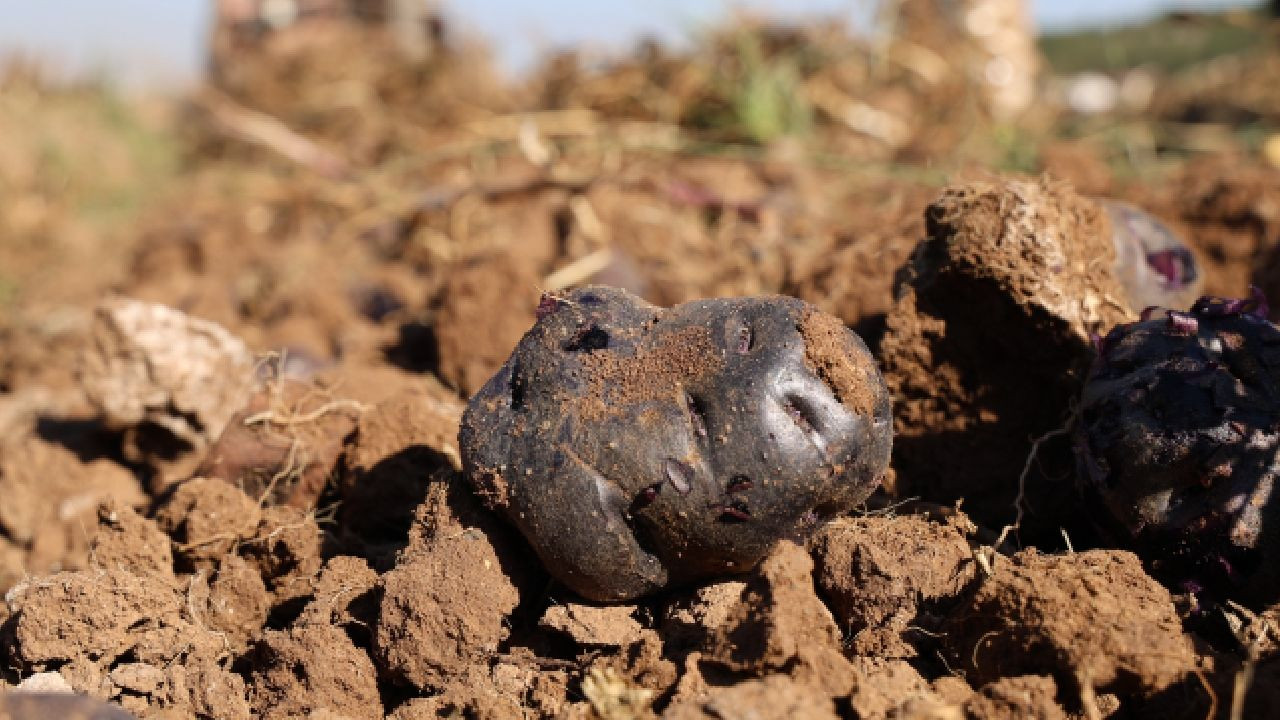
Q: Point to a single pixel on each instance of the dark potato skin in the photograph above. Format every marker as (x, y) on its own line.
(1178, 436)
(637, 447)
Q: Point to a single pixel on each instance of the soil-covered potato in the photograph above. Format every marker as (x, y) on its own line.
(1178, 445)
(637, 447)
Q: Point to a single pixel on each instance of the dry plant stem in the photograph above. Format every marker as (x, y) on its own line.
(275, 418)
(1240, 689)
(579, 271)
(1213, 696)
(985, 555)
(1244, 677)
(258, 128)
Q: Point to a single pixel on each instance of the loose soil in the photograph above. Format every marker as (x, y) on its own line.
(230, 478)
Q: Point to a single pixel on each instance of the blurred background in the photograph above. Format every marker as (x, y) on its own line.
(381, 189)
(163, 42)
(348, 177)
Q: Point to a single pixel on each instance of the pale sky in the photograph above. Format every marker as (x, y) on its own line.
(151, 42)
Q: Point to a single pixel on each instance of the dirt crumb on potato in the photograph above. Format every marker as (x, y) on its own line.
(620, 382)
(829, 351)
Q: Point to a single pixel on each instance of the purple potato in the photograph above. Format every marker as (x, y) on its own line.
(1177, 437)
(637, 447)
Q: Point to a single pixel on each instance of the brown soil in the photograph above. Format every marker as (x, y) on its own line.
(482, 311)
(998, 306)
(889, 580)
(228, 423)
(1093, 620)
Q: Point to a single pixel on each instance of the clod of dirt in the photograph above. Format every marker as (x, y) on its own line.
(892, 688)
(49, 497)
(884, 576)
(1178, 444)
(344, 595)
(637, 447)
(608, 626)
(998, 305)
(127, 541)
(445, 605)
(285, 549)
(40, 706)
(1015, 698)
(508, 690)
(690, 619)
(399, 447)
(483, 308)
(133, 639)
(153, 364)
(1152, 262)
(779, 623)
(89, 614)
(283, 445)
(310, 668)
(774, 697)
(206, 518)
(1091, 620)
(233, 602)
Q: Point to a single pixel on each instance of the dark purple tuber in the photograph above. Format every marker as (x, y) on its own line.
(1153, 263)
(637, 447)
(1178, 436)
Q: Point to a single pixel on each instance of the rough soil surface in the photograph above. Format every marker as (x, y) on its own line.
(887, 578)
(50, 496)
(446, 604)
(398, 448)
(1092, 620)
(998, 306)
(169, 550)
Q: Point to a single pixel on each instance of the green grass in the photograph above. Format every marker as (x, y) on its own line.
(1171, 43)
(757, 98)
